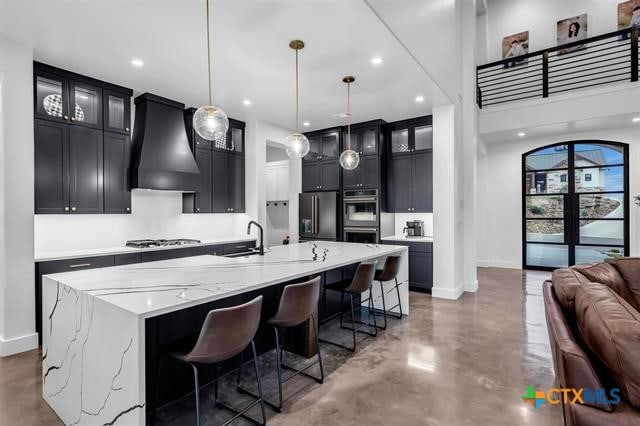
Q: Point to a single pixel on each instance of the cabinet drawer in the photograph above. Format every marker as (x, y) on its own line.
(216, 250)
(152, 256)
(127, 259)
(239, 247)
(414, 246)
(69, 265)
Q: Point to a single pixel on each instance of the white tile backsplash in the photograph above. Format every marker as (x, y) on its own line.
(155, 214)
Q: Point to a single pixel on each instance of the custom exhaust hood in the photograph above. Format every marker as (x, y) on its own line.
(161, 157)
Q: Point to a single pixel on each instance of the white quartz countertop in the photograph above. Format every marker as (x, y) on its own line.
(75, 254)
(424, 239)
(154, 288)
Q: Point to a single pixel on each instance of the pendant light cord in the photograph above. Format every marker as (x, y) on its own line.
(208, 52)
(297, 117)
(349, 116)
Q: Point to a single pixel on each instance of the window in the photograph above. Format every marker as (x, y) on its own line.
(575, 204)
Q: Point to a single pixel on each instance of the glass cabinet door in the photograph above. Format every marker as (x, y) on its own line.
(314, 149)
(369, 142)
(237, 139)
(330, 146)
(400, 141)
(117, 112)
(51, 97)
(423, 138)
(85, 104)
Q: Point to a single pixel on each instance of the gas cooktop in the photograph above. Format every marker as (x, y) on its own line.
(160, 243)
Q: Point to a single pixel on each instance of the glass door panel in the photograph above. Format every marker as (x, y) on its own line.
(115, 105)
(331, 146)
(237, 138)
(314, 149)
(423, 138)
(51, 97)
(86, 105)
(586, 221)
(400, 141)
(369, 142)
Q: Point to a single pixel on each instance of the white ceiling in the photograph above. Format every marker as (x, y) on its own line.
(251, 56)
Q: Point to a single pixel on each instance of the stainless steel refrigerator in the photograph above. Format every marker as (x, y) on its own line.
(318, 216)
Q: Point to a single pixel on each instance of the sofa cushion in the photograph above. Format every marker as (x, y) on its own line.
(607, 274)
(629, 269)
(565, 282)
(572, 365)
(611, 329)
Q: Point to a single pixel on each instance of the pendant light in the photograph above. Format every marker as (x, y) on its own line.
(297, 144)
(210, 121)
(349, 159)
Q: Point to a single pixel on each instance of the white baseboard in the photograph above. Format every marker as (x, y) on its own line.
(447, 293)
(19, 344)
(498, 264)
(471, 287)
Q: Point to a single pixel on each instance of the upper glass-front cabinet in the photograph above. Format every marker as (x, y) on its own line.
(412, 135)
(314, 149)
(330, 145)
(368, 142)
(237, 139)
(67, 100)
(51, 94)
(117, 112)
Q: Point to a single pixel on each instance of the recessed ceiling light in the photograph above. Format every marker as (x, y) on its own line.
(419, 98)
(376, 60)
(306, 124)
(247, 102)
(636, 119)
(137, 62)
(522, 134)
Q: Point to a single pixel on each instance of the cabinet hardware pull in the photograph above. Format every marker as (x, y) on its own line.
(66, 209)
(126, 129)
(73, 119)
(73, 209)
(128, 209)
(241, 246)
(79, 265)
(66, 117)
(198, 209)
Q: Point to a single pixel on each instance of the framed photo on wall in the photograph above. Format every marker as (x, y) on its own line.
(571, 30)
(514, 46)
(628, 14)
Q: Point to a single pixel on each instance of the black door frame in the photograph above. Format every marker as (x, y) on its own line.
(571, 212)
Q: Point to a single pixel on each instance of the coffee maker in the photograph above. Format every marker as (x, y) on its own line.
(415, 228)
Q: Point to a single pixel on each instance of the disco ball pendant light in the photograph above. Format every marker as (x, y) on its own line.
(210, 121)
(349, 159)
(297, 144)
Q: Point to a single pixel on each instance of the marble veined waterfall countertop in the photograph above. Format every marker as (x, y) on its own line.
(94, 335)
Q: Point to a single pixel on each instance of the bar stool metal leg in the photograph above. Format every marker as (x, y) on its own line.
(197, 393)
(316, 329)
(384, 307)
(278, 369)
(255, 363)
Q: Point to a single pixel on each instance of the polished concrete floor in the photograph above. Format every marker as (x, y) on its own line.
(464, 362)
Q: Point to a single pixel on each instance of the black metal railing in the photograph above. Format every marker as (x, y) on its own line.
(604, 59)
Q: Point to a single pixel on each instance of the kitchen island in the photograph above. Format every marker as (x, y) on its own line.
(102, 327)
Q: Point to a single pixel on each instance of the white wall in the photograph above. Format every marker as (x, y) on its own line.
(154, 214)
(17, 322)
(500, 197)
(539, 17)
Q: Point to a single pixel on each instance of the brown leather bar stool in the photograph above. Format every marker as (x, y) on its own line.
(389, 272)
(298, 304)
(361, 282)
(225, 333)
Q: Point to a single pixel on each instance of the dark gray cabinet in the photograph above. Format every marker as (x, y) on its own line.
(411, 183)
(117, 188)
(420, 263)
(222, 184)
(366, 175)
(68, 168)
(320, 167)
(85, 170)
(51, 167)
(80, 168)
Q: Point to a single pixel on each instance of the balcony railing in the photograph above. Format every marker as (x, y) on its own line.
(604, 59)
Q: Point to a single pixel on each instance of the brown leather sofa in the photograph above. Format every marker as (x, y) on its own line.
(594, 331)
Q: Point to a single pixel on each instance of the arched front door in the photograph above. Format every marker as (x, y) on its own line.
(575, 203)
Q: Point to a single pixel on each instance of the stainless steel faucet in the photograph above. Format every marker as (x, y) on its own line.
(261, 246)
